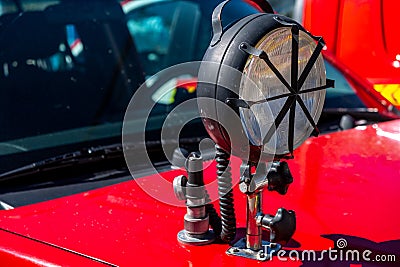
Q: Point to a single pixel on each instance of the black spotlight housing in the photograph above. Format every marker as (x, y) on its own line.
(230, 49)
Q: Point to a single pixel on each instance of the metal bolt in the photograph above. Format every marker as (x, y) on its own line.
(259, 219)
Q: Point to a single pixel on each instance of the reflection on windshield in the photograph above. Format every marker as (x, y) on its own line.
(283, 7)
(62, 72)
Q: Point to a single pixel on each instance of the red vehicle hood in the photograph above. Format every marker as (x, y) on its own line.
(346, 186)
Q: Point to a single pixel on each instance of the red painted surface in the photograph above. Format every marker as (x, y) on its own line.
(313, 15)
(363, 34)
(345, 183)
(19, 251)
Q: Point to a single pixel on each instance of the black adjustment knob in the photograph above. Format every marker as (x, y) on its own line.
(279, 178)
(282, 226)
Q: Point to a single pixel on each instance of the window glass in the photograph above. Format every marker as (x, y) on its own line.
(164, 32)
(7, 6)
(67, 58)
(151, 30)
(343, 95)
(12, 6)
(65, 72)
(30, 5)
(283, 7)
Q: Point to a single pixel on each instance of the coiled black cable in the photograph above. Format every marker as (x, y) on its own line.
(215, 220)
(227, 209)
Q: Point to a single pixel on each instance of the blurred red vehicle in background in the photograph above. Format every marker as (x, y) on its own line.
(364, 36)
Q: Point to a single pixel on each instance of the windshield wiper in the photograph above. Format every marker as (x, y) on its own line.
(83, 156)
(90, 156)
(370, 114)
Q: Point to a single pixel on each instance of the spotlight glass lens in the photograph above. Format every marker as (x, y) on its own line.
(257, 120)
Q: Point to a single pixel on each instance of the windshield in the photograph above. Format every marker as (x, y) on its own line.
(68, 69)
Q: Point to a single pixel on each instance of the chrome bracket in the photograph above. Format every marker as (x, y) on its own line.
(265, 253)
